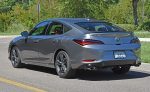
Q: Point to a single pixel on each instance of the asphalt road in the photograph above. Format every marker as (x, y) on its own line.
(40, 79)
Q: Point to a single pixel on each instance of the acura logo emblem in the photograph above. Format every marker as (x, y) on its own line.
(117, 39)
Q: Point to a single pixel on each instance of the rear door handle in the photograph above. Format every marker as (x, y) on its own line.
(36, 41)
(55, 41)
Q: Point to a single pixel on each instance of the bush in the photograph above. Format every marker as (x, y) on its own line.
(16, 28)
(128, 27)
(1, 26)
(145, 26)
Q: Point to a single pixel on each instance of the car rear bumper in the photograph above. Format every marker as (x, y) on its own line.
(105, 55)
(110, 63)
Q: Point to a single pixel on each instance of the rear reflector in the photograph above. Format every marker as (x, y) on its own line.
(84, 42)
(88, 61)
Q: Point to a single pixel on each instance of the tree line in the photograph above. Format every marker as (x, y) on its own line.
(16, 13)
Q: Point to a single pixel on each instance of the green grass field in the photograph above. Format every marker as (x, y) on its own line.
(1, 34)
(145, 52)
(142, 34)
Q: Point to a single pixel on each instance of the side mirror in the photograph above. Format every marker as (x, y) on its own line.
(25, 34)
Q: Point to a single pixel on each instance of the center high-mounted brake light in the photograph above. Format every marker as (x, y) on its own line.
(84, 42)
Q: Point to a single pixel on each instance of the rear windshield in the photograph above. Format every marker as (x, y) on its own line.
(99, 27)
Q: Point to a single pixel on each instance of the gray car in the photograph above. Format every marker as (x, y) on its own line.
(68, 44)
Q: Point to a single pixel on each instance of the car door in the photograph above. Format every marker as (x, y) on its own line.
(30, 48)
(50, 42)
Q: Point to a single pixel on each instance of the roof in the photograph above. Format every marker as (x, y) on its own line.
(75, 20)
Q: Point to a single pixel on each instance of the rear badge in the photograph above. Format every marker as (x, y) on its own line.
(117, 39)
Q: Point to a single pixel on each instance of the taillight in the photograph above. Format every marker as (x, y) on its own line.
(135, 40)
(84, 42)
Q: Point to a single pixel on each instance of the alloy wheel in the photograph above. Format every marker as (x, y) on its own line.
(61, 62)
(15, 58)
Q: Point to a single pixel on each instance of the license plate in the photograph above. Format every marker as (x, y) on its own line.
(119, 54)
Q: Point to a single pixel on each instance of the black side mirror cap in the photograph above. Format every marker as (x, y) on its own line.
(25, 34)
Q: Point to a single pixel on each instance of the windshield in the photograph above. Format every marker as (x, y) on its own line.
(99, 27)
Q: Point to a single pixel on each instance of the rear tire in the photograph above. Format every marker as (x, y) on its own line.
(63, 65)
(121, 69)
(15, 58)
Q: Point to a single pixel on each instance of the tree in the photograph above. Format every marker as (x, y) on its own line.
(83, 8)
(135, 14)
(120, 13)
(147, 9)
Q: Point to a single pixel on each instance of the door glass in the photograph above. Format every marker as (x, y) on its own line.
(56, 29)
(40, 29)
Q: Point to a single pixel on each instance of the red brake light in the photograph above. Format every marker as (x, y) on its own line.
(88, 61)
(135, 40)
(84, 42)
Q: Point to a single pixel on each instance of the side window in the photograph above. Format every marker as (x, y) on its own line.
(66, 29)
(39, 29)
(57, 29)
(101, 28)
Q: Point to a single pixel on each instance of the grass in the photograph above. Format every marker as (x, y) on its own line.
(142, 34)
(145, 52)
(7, 33)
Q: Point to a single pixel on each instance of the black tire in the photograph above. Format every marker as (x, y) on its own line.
(63, 65)
(121, 69)
(15, 58)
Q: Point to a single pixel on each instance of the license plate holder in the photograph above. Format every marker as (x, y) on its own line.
(119, 55)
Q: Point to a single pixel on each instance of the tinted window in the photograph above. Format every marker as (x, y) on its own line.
(99, 27)
(57, 29)
(40, 29)
(66, 29)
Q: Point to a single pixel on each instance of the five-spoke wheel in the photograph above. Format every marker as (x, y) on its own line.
(15, 57)
(63, 66)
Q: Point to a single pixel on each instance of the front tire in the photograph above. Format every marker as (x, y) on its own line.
(63, 65)
(121, 69)
(15, 58)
